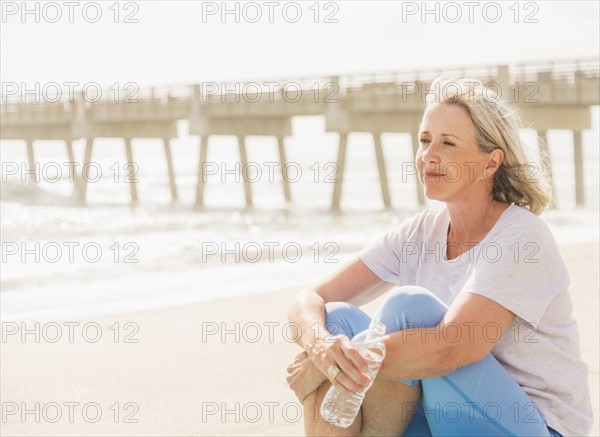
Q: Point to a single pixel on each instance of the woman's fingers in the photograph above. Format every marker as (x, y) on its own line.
(355, 380)
(300, 357)
(303, 377)
(354, 355)
(297, 360)
(339, 351)
(351, 376)
(346, 385)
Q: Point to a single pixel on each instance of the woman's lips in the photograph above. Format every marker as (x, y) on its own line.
(430, 175)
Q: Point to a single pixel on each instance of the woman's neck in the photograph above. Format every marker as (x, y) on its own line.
(472, 221)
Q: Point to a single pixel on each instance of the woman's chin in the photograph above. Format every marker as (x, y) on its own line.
(433, 195)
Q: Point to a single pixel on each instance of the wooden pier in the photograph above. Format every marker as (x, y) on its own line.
(550, 95)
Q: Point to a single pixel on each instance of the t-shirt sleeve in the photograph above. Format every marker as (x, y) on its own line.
(382, 256)
(521, 270)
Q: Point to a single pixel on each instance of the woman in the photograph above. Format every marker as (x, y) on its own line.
(479, 334)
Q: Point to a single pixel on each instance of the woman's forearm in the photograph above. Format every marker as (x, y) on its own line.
(307, 312)
(418, 354)
(324, 350)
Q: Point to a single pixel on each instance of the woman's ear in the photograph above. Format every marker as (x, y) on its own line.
(494, 162)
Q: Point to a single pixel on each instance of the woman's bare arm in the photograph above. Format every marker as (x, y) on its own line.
(355, 283)
(468, 332)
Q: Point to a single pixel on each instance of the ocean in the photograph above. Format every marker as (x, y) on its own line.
(63, 260)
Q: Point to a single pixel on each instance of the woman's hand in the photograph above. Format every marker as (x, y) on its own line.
(338, 351)
(303, 377)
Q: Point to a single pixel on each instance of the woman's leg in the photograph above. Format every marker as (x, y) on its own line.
(412, 307)
(379, 414)
(480, 399)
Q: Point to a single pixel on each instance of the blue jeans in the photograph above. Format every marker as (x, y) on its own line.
(480, 399)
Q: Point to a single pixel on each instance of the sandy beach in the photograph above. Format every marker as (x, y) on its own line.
(209, 369)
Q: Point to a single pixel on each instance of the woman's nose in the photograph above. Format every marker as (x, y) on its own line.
(430, 154)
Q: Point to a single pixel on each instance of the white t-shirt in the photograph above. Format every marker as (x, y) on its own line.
(518, 265)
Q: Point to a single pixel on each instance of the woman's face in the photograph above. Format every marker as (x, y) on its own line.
(451, 167)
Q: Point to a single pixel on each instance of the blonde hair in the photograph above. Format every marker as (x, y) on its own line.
(497, 127)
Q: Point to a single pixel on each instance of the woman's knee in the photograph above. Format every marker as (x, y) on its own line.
(410, 307)
(342, 318)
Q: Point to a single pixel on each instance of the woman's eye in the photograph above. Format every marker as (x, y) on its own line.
(423, 140)
(448, 143)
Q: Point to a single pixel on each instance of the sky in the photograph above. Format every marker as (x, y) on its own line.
(183, 42)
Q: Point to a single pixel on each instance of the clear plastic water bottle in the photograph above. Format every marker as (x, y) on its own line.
(340, 409)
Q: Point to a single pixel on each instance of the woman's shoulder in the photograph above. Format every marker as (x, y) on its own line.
(518, 225)
(520, 220)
